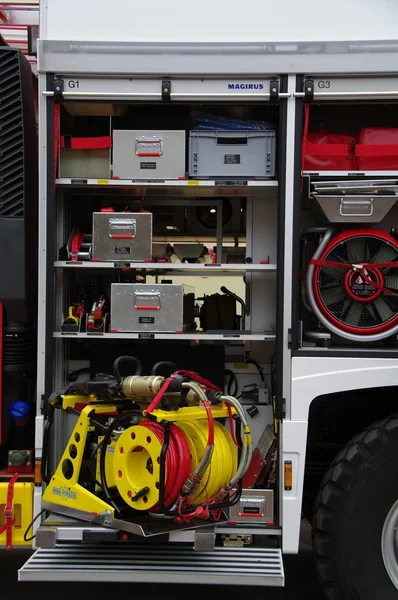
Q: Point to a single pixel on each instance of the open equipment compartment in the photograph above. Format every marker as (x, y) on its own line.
(217, 237)
(347, 219)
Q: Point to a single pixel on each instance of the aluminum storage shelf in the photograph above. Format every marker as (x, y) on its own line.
(194, 268)
(178, 337)
(372, 174)
(183, 188)
(156, 563)
(58, 529)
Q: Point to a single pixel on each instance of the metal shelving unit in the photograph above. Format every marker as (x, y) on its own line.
(353, 173)
(69, 203)
(195, 336)
(188, 268)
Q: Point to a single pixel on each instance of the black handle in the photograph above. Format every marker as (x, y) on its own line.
(229, 293)
(131, 359)
(232, 141)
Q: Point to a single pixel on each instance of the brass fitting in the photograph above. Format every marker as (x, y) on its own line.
(137, 387)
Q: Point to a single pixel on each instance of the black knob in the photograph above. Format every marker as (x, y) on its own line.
(252, 411)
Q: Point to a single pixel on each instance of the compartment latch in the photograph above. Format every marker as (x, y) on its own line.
(58, 88)
(166, 90)
(308, 90)
(274, 90)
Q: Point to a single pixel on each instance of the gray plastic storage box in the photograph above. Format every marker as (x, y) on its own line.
(158, 308)
(232, 154)
(145, 154)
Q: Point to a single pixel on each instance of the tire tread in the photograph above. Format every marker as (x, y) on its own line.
(336, 482)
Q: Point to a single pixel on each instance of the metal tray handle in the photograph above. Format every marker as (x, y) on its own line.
(345, 205)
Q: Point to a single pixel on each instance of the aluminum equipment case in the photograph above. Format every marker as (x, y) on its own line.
(157, 308)
(145, 154)
(232, 154)
(122, 236)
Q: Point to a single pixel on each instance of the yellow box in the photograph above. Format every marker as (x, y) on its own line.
(22, 511)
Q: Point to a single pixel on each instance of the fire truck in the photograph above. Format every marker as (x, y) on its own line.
(218, 294)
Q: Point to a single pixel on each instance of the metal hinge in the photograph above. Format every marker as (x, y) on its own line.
(289, 338)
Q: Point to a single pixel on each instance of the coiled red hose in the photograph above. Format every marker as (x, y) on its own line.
(178, 461)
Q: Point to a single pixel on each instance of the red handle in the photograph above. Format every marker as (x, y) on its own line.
(122, 237)
(147, 307)
(148, 154)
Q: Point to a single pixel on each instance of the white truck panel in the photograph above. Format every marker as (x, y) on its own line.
(258, 21)
(315, 376)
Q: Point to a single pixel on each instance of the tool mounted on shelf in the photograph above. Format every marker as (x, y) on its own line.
(79, 246)
(88, 315)
(149, 452)
(96, 318)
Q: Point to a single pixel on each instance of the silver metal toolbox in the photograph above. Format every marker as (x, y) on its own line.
(122, 236)
(254, 506)
(355, 201)
(145, 154)
(232, 154)
(157, 308)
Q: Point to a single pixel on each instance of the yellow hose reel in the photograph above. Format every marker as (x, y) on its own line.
(136, 462)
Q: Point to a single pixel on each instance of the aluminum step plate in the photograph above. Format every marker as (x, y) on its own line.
(168, 563)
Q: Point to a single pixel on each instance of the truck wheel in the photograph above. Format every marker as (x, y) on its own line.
(355, 526)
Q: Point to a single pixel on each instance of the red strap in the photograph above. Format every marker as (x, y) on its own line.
(310, 149)
(329, 263)
(376, 150)
(57, 117)
(10, 520)
(77, 241)
(91, 143)
(159, 396)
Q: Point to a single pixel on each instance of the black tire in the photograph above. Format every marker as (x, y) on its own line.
(353, 502)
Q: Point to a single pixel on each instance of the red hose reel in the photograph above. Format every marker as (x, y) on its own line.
(354, 284)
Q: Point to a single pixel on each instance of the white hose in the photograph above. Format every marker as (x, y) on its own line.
(247, 450)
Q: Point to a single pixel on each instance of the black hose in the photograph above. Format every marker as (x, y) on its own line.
(132, 359)
(105, 441)
(232, 381)
(26, 539)
(166, 364)
(258, 367)
(46, 443)
(90, 463)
